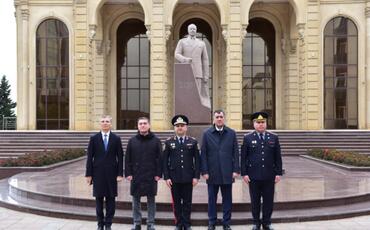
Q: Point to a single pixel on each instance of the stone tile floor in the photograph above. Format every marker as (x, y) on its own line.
(304, 180)
(14, 220)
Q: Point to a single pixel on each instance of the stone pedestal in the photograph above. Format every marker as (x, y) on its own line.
(197, 131)
(187, 101)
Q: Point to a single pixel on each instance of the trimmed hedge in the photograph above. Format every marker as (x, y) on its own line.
(347, 158)
(37, 159)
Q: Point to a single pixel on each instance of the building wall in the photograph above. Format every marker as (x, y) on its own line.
(92, 26)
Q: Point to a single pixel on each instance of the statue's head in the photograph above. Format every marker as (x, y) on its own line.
(192, 30)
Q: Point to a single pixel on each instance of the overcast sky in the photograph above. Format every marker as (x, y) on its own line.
(8, 46)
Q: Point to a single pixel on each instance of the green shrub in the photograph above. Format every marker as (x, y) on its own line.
(348, 158)
(43, 158)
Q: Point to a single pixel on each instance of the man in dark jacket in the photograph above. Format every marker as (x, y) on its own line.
(181, 169)
(104, 167)
(143, 167)
(261, 168)
(220, 167)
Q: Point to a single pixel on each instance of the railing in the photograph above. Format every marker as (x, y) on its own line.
(9, 123)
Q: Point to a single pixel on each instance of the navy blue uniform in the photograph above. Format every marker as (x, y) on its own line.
(261, 161)
(181, 164)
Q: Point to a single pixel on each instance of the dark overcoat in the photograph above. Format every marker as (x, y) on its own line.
(104, 166)
(261, 159)
(220, 155)
(181, 162)
(143, 163)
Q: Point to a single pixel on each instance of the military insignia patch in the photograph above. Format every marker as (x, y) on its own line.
(173, 145)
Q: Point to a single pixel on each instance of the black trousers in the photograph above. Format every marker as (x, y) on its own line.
(262, 189)
(110, 208)
(182, 194)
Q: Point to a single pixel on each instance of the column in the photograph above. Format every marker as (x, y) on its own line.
(233, 34)
(367, 14)
(23, 114)
(81, 78)
(159, 87)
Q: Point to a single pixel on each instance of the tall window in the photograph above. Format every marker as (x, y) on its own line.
(259, 71)
(133, 99)
(340, 74)
(204, 33)
(52, 75)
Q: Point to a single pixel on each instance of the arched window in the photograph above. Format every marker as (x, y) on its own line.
(133, 76)
(340, 74)
(52, 75)
(259, 71)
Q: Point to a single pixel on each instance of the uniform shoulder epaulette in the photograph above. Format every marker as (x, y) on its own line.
(249, 133)
(272, 133)
(192, 138)
(169, 138)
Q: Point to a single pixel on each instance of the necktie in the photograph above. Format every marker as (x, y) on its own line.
(105, 142)
(181, 140)
(261, 137)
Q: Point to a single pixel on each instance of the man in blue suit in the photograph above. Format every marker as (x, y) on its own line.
(261, 168)
(104, 168)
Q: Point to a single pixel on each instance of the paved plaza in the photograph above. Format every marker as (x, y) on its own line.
(13, 220)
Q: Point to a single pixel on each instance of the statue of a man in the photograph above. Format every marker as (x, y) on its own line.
(193, 51)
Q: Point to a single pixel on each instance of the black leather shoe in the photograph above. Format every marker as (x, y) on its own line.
(100, 228)
(178, 227)
(211, 227)
(267, 227)
(187, 228)
(227, 227)
(256, 227)
(136, 227)
(108, 228)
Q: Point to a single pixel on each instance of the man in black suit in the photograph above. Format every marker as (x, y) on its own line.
(181, 169)
(261, 168)
(104, 168)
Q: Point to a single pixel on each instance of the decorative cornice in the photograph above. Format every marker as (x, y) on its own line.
(367, 12)
(80, 1)
(92, 31)
(225, 33)
(99, 46)
(244, 31)
(148, 32)
(25, 14)
(301, 31)
(168, 32)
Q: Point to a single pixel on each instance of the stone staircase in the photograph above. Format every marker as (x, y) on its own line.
(16, 143)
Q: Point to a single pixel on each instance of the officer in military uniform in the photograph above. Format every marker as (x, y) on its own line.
(181, 168)
(261, 168)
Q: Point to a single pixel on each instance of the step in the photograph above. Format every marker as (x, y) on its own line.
(198, 218)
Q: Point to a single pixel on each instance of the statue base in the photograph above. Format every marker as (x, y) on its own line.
(187, 101)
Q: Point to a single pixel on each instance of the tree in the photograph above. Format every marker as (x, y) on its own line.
(6, 103)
